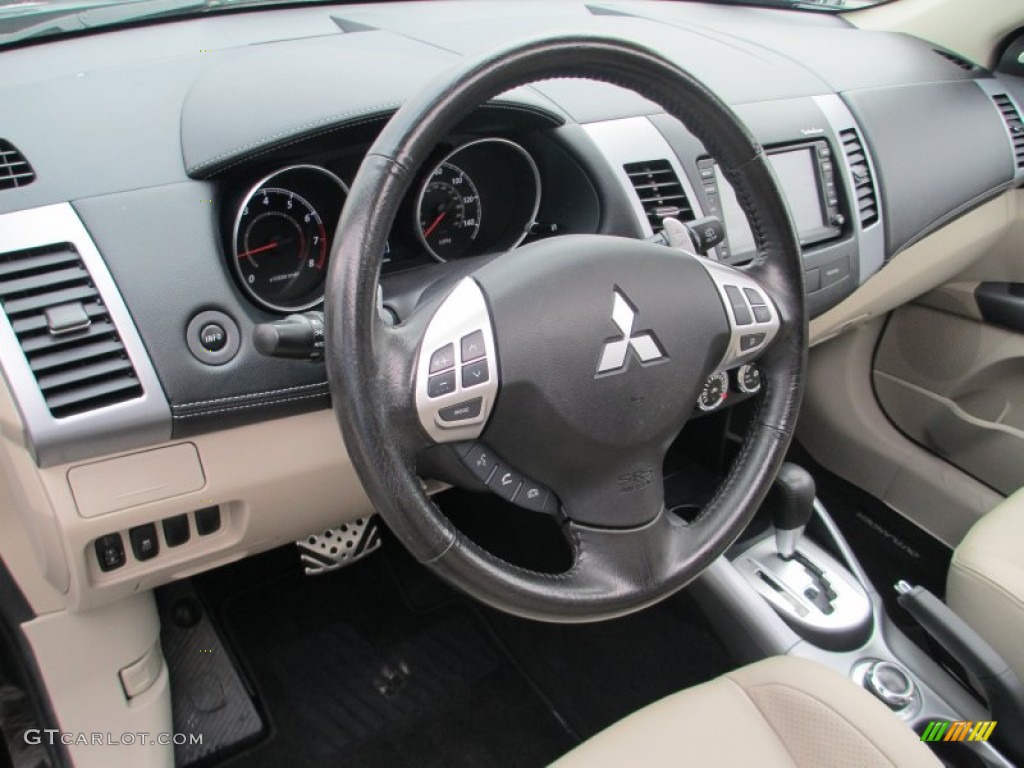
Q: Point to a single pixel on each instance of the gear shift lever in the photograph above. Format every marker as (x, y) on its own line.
(792, 504)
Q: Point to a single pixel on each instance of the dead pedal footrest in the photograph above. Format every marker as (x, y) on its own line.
(341, 546)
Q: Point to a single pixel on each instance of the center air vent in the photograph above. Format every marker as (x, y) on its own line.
(1013, 124)
(660, 192)
(860, 171)
(64, 330)
(14, 168)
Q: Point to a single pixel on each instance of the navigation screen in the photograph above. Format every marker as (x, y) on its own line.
(798, 176)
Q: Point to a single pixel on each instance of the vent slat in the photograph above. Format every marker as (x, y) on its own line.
(53, 279)
(960, 61)
(50, 299)
(15, 170)
(659, 191)
(864, 184)
(74, 355)
(1011, 117)
(92, 396)
(43, 342)
(32, 324)
(84, 373)
(36, 263)
(78, 371)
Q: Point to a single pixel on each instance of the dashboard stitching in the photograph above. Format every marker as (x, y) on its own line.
(369, 114)
(249, 405)
(250, 395)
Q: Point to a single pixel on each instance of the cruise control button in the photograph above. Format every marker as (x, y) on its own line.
(474, 373)
(750, 341)
(505, 482)
(762, 315)
(481, 461)
(473, 346)
(739, 306)
(535, 497)
(443, 359)
(462, 411)
(755, 298)
(442, 384)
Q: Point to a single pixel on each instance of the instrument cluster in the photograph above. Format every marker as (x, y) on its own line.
(479, 197)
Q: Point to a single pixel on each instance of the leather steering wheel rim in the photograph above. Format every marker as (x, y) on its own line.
(371, 366)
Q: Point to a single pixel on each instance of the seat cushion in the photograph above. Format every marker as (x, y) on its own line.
(985, 585)
(781, 712)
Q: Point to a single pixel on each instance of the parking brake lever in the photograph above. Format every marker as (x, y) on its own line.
(998, 682)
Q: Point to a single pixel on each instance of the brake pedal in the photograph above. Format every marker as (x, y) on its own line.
(341, 546)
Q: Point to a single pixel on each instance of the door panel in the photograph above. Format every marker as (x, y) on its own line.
(950, 375)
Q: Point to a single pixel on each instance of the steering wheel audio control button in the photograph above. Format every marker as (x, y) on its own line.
(473, 346)
(443, 359)
(739, 307)
(457, 369)
(442, 384)
(474, 373)
(762, 314)
(505, 482)
(462, 411)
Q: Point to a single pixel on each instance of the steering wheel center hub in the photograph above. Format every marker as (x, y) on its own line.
(603, 344)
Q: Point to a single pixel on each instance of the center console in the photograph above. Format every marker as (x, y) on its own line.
(781, 592)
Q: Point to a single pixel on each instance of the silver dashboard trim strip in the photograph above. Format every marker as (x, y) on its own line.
(134, 423)
(637, 140)
(871, 239)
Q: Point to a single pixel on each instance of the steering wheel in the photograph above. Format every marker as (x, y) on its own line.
(589, 352)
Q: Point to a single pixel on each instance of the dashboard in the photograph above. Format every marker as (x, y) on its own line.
(196, 192)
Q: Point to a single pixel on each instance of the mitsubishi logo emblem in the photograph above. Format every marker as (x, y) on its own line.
(644, 344)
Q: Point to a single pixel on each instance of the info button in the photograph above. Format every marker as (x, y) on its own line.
(462, 411)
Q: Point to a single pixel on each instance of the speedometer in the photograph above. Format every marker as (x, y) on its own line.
(283, 236)
(449, 212)
(482, 197)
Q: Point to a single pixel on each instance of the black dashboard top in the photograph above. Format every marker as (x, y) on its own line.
(156, 133)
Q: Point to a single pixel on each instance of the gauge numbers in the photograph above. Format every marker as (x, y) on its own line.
(449, 212)
(283, 236)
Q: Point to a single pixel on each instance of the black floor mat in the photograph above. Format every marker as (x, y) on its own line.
(349, 676)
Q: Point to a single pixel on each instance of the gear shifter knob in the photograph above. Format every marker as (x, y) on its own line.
(792, 504)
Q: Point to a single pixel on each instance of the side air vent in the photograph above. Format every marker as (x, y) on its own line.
(14, 168)
(660, 192)
(65, 331)
(960, 61)
(1013, 123)
(860, 171)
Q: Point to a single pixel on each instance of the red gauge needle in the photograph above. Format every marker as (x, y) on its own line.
(434, 224)
(261, 249)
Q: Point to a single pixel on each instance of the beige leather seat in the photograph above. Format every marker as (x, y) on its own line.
(782, 711)
(985, 585)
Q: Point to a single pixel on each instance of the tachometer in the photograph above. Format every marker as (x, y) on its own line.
(449, 212)
(283, 236)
